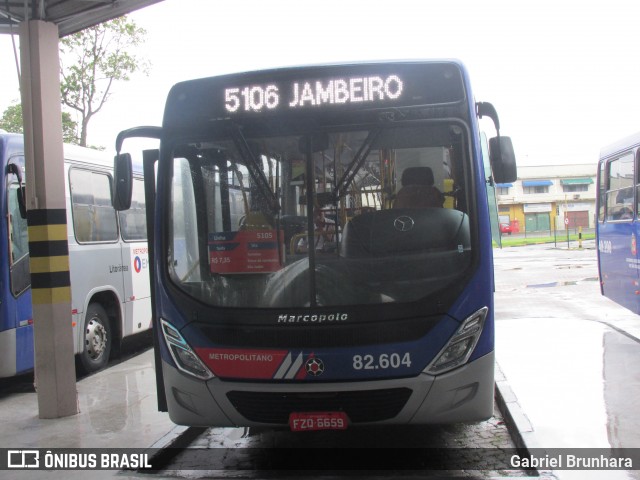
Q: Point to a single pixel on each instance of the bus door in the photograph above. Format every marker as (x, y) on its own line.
(17, 302)
(617, 242)
(95, 258)
(135, 256)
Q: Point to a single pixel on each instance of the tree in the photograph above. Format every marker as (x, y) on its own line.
(92, 60)
(11, 121)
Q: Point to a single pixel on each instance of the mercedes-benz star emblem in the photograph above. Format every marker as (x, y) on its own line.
(314, 366)
(403, 223)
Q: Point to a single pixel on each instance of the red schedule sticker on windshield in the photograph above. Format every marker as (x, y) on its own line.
(245, 251)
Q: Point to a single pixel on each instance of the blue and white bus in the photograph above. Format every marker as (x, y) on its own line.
(617, 227)
(321, 246)
(108, 260)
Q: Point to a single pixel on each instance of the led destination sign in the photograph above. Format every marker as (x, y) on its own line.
(314, 90)
(368, 89)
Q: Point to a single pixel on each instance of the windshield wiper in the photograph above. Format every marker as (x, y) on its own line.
(252, 165)
(356, 164)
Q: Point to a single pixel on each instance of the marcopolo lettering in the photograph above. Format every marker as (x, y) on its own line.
(313, 318)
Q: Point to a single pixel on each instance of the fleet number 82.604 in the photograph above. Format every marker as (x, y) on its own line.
(382, 361)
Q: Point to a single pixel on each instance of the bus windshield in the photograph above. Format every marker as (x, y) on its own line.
(280, 216)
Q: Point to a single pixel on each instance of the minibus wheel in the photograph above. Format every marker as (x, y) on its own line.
(97, 339)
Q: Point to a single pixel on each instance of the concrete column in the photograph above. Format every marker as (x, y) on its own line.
(46, 217)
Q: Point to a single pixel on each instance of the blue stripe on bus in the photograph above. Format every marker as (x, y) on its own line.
(24, 349)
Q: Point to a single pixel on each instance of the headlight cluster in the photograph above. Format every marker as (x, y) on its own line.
(459, 348)
(184, 357)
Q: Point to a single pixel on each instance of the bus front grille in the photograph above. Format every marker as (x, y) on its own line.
(318, 336)
(360, 406)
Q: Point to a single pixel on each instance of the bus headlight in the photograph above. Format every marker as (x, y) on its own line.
(458, 349)
(184, 357)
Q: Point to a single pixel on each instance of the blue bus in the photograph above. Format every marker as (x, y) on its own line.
(321, 246)
(110, 300)
(617, 226)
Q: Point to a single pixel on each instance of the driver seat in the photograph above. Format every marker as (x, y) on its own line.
(418, 190)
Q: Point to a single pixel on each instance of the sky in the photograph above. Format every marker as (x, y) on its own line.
(563, 75)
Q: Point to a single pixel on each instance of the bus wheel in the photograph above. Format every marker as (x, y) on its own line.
(97, 339)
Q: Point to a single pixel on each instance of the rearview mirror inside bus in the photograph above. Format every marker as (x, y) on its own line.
(123, 181)
(503, 160)
(316, 142)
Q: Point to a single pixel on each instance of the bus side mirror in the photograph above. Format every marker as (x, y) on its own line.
(21, 192)
(503, 160)
(123, 181)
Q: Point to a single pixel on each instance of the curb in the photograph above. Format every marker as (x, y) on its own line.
(514, 417)
(517, 422)
(170, 445)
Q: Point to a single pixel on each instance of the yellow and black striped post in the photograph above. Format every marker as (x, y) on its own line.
(579, 237)
(55, 375)
(49, 256)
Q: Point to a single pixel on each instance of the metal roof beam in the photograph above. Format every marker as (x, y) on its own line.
(71, 16)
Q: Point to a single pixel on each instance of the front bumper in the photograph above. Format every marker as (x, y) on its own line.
(462, 395)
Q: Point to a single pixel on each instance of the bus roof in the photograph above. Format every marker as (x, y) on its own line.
(82, 154)
(10, 143)
(74, 153)
(620, 145)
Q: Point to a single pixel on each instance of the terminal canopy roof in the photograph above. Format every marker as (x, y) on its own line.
(70, 15)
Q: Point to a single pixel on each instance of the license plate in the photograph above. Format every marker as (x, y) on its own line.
(310, 421)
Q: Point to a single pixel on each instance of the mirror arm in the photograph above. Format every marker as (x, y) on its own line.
(15, 169)
(487, 109)
(142, 132)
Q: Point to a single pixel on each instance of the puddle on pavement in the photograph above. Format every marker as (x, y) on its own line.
(583, 392)
(562, 284)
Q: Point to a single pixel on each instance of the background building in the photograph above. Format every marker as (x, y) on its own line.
(547, 197)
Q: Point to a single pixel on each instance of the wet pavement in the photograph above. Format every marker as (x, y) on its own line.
(569, 366)
(118, 409)
(571, 356)
(470, 451)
